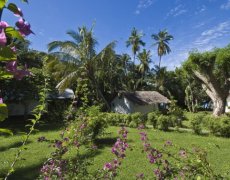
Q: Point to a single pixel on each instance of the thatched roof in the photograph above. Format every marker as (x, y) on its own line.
(145, 97)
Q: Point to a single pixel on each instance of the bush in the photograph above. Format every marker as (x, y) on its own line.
(95, 120)
(133, 124)
(152, 118)
(116, 119)
(196, 123)
(176, 114)
(220, 126)
(164, 122)
(138, 118)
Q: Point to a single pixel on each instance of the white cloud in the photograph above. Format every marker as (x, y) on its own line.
(212, 34)
(199, 25)
(178, 10)
(143, 4)
(201, 9)
(226, 5)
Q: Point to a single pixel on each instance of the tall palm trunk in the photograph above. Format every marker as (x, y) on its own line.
(160, 62)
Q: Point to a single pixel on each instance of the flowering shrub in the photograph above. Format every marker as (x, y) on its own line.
(57, 167)
(184, 164)
(119, 148)
(8, 38)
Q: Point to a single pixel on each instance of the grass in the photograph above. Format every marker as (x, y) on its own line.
(135, 162)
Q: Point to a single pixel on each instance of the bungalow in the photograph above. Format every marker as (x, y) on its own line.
(138, 101)
(26, 107)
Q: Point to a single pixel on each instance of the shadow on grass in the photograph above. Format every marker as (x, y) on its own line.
(105, 142)
(24, 173)
(14, 145)
(18, 124)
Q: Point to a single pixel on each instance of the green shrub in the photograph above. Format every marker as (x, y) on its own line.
(96, 125)
(220, 126)
(133, 124)
(196, 123)
(176, 114)
(152, 118)
(116, 119)
(164, 122)
(95, 121)
(138, 118)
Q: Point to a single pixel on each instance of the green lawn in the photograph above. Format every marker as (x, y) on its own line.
(135, 162)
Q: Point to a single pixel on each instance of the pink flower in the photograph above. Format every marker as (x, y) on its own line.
(183, 153)
(18, 74)
(11, 66)
(3, 24)
(1, 100)
(108, 166)
(13, 49)
(24, 27)
(3, 39)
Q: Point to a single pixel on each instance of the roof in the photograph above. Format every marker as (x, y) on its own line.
(145, 97)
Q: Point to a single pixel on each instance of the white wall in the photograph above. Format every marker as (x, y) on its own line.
(124, 106)
(121, 105)
(144, 109)
(20, 109)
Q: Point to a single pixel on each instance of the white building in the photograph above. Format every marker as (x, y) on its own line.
(26, 107)
(138, 101)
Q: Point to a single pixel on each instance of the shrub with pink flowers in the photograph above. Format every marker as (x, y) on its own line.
(185, 164)
(9, 36)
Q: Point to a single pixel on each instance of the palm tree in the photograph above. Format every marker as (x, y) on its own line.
(80, 54)
(162, 41)
(145, 59)
(160, 78)
(135, 41)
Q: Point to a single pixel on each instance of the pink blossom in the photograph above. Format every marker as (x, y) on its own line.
(11, 66)
(13, 49)
(3, 39)
(1, 100)
(3, 24)
(18, 74)
(108, 166)
(183, 153)
(24, 27)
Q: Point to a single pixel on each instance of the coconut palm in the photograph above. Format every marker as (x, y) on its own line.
(81, 56)
(162, 41)
(145, 60)
(135, 41)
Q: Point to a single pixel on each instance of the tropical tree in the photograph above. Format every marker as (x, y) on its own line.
(162, 41)
(145, 59)
(212, 69)
(135, 41)
(81, 56)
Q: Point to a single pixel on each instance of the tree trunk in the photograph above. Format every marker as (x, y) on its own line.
(93, 81)
(160, 62)
(213, 89)
(219, 106)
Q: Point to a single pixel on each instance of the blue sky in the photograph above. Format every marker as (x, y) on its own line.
(195, 24)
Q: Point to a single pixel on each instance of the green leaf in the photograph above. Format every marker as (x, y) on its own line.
(13, 33)
(3, 112)
(2, 3)
(5, 75)
(13, 8)
(6, 54)
(6, 131)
